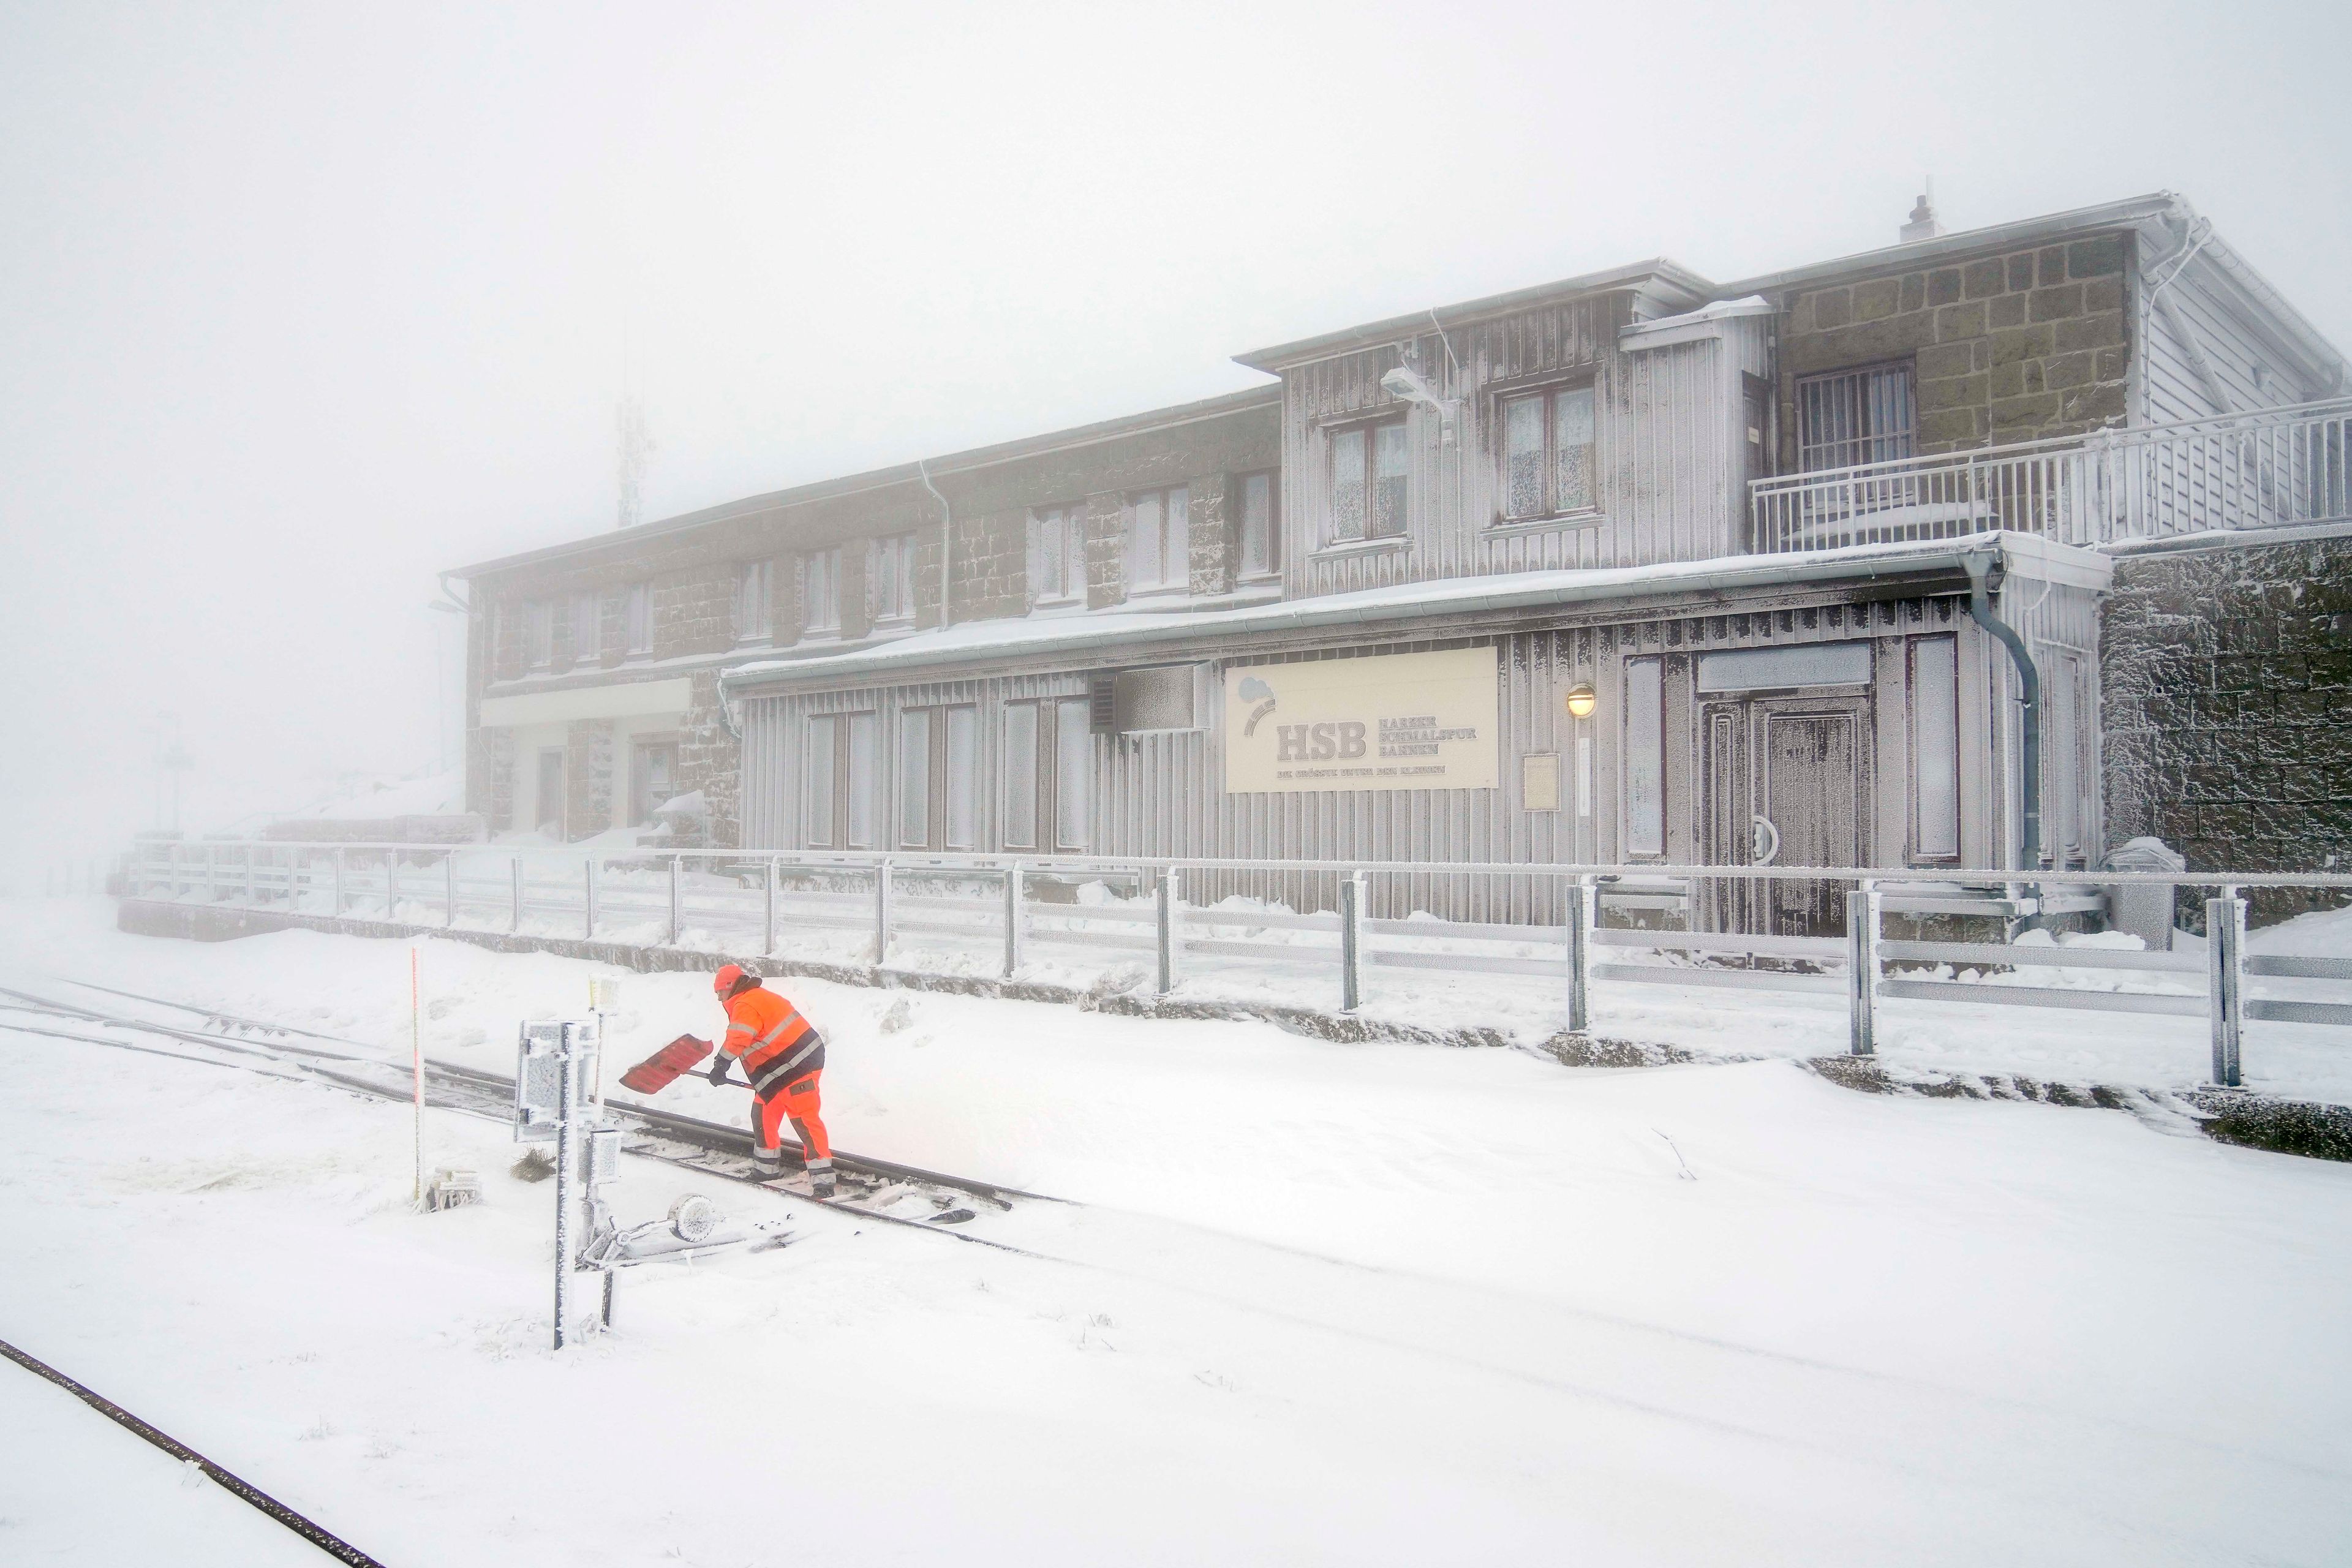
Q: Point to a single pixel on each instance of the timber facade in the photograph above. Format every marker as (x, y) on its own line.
(1702, 557)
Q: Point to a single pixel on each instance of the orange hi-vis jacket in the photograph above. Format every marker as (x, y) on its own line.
(773, 1042)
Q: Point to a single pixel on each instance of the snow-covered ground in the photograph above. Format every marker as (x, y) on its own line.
(1344, 1304)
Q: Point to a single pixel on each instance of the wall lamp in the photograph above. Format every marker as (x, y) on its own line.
(1581, 701)
(1406, 382)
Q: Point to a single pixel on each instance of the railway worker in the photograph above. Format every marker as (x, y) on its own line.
(782, 1055)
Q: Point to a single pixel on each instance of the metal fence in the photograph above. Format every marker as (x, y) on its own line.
(1085, 921)
(2269, 469)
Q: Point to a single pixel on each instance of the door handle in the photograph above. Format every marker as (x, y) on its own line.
(1763, 841)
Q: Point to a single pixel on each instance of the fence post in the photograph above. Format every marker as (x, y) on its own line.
(881, 910)
(588, 899)
(392, 884)
(675, 862)
(1169, 893)
(2225, 945)
(449, 890)
(1013, 875)
(1351, 940)
(211, 873)
(338, 909)
(1862, 910)
(1583, 906)
(514, 893)
(768, 913)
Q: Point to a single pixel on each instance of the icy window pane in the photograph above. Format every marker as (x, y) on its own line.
(1021, 777)
(1143, 541)
(1045, 556)
(1646, 757)
(861, 781)
(587, 627)
(1523, 456)
(1176, 539)
(1257, 524)
(2061, 827)
(1572, 443)
(1348, 484)
(641, 618)
(820, 782)
(915, 776)
(963, 778)
(1388, 468)
(1935, 744)
(1073, 775)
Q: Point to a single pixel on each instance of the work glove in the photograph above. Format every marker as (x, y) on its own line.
(718, 1074)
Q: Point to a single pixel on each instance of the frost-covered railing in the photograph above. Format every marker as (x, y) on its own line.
(1582, 931)
(2273, 469)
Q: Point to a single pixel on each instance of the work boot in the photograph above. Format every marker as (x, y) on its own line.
(768, 1163)
(821, 1179)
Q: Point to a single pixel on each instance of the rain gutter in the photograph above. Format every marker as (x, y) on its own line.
(1981, 565)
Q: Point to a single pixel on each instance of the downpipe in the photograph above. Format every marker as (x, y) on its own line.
(1981, 567)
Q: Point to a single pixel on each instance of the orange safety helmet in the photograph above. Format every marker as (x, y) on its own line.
(728, 976)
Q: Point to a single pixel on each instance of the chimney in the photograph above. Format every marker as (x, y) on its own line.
(1923, 224)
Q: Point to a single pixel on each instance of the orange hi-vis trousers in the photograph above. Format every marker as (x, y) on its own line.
(798, 1101)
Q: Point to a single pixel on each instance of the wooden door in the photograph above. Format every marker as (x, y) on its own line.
(1785, 781)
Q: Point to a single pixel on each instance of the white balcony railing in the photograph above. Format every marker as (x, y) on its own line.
(2273, 469)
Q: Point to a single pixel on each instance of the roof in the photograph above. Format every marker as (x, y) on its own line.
(1136, 634)
(1672, 285)
(967, 461)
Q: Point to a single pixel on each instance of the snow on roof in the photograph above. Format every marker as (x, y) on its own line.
(1517, 590)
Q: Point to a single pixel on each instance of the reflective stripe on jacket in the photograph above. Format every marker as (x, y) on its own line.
(773, 1042)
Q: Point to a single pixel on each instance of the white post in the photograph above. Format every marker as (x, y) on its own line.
(2225, 951)
(514, 892)
(449, 889)
(1582, 905)
(588, 899)
(1351, 941)
(1170, 893)
(1862, 911)
(768, 915)
(338, 877)
(567, 1105)
(416, 1063)
(881, 910)
(1013, 876)
(675, 861)
(392, 885)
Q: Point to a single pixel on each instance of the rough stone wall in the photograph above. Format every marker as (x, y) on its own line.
(709, 760)
(2010, 347)
(490, 777)
(1210, 544)
(587, 777)
(992, 566)
(2227, 707)
(1105, 549)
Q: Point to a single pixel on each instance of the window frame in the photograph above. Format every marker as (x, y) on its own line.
(755, 601)
(1059, 528)
(1915, 740)
(890, 560)
(827, 624)
(1639, 751)
(1549, 393)
(538, 634)
(588, 627)
(936, 723)
(1272, 569)
(1048, 773)
(638, 617)
(642, 748)
(1370, 428)
(1884, 446)
(840, 832)
(1181, 562)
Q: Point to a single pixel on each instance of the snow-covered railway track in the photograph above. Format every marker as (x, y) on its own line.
(881, 1190)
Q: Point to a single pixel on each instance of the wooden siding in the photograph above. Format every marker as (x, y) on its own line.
(1670, 450)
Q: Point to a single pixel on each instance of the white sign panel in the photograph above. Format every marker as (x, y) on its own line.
(1410, 721)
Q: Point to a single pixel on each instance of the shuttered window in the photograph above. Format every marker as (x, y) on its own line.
(938, 778)
(839, 765)
(1850, 416)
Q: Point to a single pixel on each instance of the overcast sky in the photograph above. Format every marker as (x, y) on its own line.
(299, 304)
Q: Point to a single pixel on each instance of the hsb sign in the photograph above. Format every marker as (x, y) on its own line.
(1419, 720)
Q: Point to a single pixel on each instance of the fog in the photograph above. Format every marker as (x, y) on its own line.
(301, 304)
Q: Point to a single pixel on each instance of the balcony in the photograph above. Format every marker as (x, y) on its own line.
(2275, 469)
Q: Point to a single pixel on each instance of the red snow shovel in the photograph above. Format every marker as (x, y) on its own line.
(666, 1066)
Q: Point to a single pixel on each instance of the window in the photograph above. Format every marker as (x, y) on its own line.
(937, 783)
(1935, 749)
(1057, 554)
(1048, 775)
(653, 779)
(1159, 540)
(1548, 467)
(639, 618)
(1646, 757)
(538, 631)
(840, 771)
(1368, 481)
(1261, 526)
(1854, 416)
(891, 578)
(821, 591)
(587, 627)
(754, 601)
